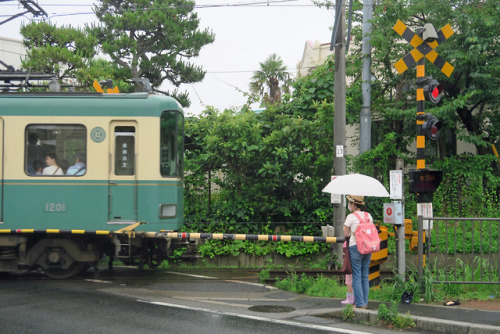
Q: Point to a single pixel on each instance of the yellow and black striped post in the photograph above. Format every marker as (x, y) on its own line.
(420, 114)
(379, 257)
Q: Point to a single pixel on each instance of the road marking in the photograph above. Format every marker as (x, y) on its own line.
(190, 275)
(97, 280)
(226, 280)
(253, 317)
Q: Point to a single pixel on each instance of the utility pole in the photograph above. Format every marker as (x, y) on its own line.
(365, 127)
(339, 118)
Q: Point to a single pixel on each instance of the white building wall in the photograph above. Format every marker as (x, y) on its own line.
(314, 55)
(11, 52)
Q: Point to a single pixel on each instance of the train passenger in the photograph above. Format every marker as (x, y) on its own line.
(35, 152)
(52, 167)
(37, 167)
(79, 167)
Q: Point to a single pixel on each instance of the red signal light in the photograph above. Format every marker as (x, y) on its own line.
(434, 90)
(431, 127)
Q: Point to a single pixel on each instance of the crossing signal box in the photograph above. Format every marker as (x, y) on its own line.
(424, 181)
(431, 127)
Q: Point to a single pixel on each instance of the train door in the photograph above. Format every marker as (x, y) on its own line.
(123, 173)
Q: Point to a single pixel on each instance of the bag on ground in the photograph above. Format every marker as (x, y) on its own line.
(367, 238)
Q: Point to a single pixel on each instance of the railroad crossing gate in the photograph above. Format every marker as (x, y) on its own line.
(422, 49)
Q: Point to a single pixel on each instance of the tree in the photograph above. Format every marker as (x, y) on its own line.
(154, 39)
(64, 51)
(274, 163)
(271, 81)
(470, 107)
(69, 52)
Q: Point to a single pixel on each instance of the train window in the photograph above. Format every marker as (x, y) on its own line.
(172, 144)
(124, 150)
(55, 150)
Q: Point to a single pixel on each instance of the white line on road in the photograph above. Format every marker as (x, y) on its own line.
(253, 317)
(227, 280)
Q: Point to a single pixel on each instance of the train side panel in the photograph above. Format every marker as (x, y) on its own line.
(125, 157)
(99, 199)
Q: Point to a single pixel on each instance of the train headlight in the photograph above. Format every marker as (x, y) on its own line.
(168, 210)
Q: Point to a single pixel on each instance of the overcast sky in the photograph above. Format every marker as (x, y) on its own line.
(246, 33)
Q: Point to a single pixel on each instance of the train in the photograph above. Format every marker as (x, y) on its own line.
(85, 175)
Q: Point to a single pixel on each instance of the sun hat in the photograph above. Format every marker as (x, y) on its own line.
(355, 199)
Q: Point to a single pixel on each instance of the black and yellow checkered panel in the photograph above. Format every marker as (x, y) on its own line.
(422, 49)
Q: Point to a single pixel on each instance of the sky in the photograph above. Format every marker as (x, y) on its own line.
(246, 33)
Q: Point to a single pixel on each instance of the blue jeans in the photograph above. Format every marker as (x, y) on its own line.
(360, 265)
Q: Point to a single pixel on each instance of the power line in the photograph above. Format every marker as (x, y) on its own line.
(262, 3)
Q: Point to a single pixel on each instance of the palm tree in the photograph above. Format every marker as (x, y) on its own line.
(270, 81)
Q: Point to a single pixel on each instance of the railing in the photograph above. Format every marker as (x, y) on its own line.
(460, 250)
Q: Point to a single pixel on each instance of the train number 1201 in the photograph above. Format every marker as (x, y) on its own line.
(55, 207)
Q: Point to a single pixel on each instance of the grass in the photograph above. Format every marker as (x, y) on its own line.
(391, 290)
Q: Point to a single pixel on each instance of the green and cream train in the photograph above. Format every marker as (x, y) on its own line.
(84, 175)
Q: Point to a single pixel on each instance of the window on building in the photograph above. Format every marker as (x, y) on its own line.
(55, 150)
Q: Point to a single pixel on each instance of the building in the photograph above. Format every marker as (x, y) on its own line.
(11, 53)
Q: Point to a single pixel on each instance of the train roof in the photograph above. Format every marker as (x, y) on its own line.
(85, 104)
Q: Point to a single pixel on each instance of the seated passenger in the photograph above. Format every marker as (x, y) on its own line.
(37, 167)
(52, 167)
(79, 167)
(64, 164)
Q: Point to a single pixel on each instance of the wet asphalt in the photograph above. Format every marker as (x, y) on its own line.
(127, 300)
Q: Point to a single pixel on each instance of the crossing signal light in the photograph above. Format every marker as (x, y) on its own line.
(424, 181)
(434, 91)
(431, 127)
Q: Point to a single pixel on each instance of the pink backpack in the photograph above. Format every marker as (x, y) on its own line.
(367, 238)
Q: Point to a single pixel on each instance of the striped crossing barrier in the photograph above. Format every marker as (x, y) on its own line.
(53, 231)
(254, 237)
(184, 235)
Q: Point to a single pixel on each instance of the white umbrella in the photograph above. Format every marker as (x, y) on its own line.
(356, 184)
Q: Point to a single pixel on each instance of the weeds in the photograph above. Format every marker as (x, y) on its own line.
(348, 313)
(391, 317)
(391, 290)
(318, 287)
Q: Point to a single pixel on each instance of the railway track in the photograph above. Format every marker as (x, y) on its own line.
(313, 273)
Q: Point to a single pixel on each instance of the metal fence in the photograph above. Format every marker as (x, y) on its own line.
(460, 250)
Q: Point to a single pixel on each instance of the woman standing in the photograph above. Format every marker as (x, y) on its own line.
(360, 263)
